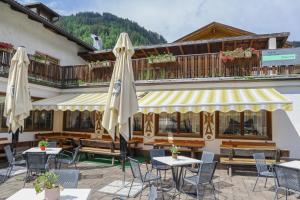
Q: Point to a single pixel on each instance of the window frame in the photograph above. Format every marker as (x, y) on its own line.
(242, 136)
(179, 133)
(32, 129)
(77, 129)
(142, 131)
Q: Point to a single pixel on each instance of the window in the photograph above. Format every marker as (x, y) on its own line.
(180, 124)
(138, 124)
(79, 121)
(37, 120)
(46, 58)
(244, 125)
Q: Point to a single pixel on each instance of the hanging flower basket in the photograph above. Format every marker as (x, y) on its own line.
(6, 46)
(162, 58)
(228, 56)
(100, 64)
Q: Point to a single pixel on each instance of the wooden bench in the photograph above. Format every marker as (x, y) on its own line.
(192, 146)
(100, 147)
(240, 153)
(63, 139)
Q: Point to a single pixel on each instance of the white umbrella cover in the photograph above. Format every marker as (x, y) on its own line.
(122, 100)
(18, 101)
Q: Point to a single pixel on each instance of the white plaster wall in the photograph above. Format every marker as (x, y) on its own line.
(17, 29)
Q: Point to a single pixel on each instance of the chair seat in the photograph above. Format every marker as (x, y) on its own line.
(192, 169)
(64, 161)
(267, 174)
(162, 167)
(150, 177)
(19, 162)
(194, 180)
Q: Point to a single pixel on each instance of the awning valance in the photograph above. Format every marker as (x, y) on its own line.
(214, 100)
(177, 101)
(81, 102)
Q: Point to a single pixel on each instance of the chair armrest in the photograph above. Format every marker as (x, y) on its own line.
(66, 155)
(67, 152)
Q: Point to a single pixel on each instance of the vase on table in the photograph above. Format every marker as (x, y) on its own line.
(174, 155)
(52, 194)
(43, 148)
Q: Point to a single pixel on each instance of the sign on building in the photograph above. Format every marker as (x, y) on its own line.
(288, 56)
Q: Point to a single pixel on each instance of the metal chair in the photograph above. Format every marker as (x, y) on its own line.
(263, 170)
(36, 162)
(68, 178)
(147, 178)
(207, 157)
(204, 176)
(287, 179)
(156, 164)
(12, 161)
(52, 144)
(68, 157)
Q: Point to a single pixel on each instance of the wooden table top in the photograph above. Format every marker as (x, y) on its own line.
(243, 161)
(249, 147)
(188, 144)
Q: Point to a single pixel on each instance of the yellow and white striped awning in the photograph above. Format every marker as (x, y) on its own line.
(72, 102)
(177, 101)
(77, 101)
(214, 100)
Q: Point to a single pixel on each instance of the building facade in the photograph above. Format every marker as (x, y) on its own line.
(70, 95)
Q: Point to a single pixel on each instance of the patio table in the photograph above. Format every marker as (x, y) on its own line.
(29, 193)
(49, 151)
(292, 164)
(177, 167)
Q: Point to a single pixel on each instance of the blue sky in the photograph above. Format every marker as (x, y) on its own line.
(175, 18)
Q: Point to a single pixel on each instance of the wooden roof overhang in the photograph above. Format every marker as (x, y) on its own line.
(195, 47)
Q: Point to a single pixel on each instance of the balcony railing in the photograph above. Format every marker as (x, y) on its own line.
(181, 67)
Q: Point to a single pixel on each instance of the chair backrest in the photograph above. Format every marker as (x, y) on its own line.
(68, 178)
(135, 168)
(36, 161)
(206, 172)
(287, 177)
(207, 157)
(52, 144)
(157, 153)
(9, 154)
(75, 155)
(260, 162)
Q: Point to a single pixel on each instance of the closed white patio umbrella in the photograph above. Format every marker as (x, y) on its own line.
(18, 101)
(122, 101)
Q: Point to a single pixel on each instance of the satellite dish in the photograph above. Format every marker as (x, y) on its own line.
(97, 42)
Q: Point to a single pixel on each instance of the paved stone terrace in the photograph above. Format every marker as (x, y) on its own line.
(95, 176)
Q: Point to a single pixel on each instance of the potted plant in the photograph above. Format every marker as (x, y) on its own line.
(174, 151)
(48, 182)
(43, 144)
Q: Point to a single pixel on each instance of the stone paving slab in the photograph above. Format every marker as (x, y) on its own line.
(95, 176)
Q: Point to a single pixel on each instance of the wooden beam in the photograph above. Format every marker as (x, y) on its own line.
(208, 48)
(168, 49)
(223, 45)
(251, 43)
(234, 45)
(181, 49)
(144, 52)
(156, 51)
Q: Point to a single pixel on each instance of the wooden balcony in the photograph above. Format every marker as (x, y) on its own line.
(181, 67)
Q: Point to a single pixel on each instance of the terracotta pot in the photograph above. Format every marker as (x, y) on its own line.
(43, 148)
(52, 194)
(174, 155)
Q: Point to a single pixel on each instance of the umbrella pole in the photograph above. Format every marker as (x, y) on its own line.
(14, 140)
